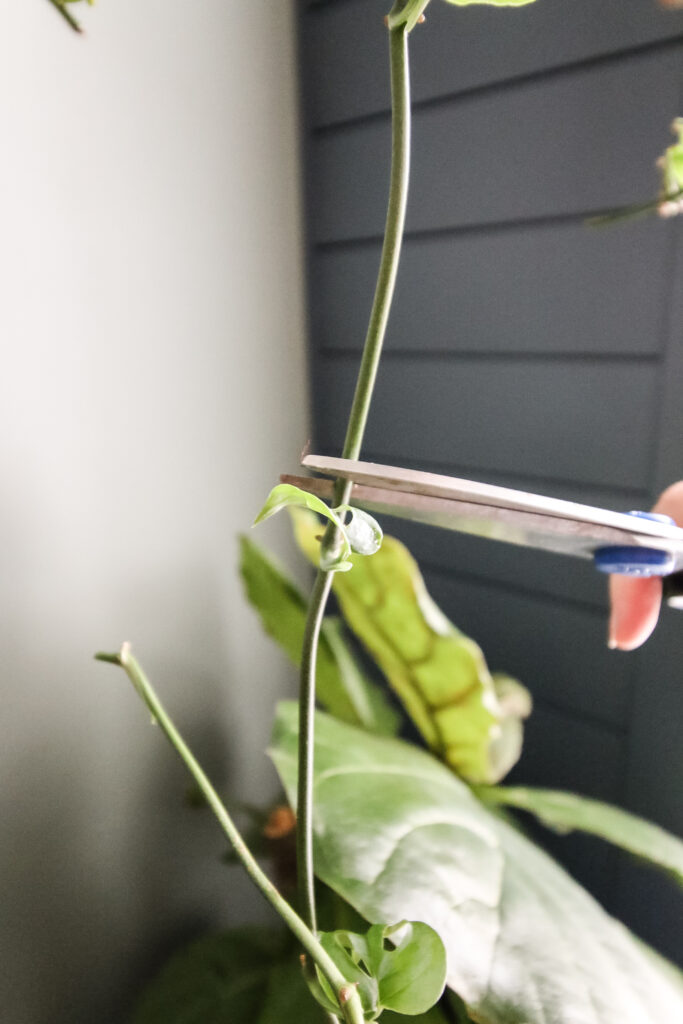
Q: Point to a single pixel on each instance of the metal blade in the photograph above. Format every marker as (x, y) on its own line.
(485, 510)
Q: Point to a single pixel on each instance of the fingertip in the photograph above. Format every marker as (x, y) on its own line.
(635, 605)
(670, 502)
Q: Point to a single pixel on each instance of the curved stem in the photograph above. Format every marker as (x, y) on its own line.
(379, 315)
(349, 999)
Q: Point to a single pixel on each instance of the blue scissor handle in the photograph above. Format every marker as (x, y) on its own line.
(637, 561)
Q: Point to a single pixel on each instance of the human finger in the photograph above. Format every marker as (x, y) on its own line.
(635, 603)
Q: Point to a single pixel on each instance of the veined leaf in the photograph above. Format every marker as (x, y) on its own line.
(439, 674)
(341, 685)
(398, 967)
(566, 812)
(399, 836)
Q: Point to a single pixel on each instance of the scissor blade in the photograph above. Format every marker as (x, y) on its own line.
(558, 534)
(416, 482)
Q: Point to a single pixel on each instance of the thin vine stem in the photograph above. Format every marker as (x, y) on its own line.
(348, 995)
(391, 248)
(68, 17)
(304, 822)
(379, 315)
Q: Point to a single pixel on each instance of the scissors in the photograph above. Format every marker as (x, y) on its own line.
(626, 543)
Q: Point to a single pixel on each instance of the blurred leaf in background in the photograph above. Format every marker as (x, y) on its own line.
(566, 812)
(465, 715)
(342, 686)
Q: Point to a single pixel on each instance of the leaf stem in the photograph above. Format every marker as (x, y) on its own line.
(68, 17)
(304, 804)
(379, 315)
(351, 1007)
(391, 248)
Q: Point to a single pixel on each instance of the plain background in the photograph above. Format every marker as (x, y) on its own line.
(152, 389)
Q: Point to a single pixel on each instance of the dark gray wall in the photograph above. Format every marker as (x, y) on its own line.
(523, 349)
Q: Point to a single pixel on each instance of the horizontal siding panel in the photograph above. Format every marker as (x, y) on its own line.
(571, 421)
(345, 47)
(549, 288)
(655, 777)
(561, 753)
(656, 762)
(653, 903)
(573, 144)
(558, 651)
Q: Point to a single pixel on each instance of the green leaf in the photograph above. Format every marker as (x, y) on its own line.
(245, 976)
(361, 534)
(675, 161)
(565, 812)
(399, 836)
(289, 496)
(411, 976)
(516, 705)
(285, 495)
(341, 686)
(439, 674)
(339, 946)
(369, 701)
(399, 967)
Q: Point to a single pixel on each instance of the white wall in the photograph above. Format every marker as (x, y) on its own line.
(152, 388)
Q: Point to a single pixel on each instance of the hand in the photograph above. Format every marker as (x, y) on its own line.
(635, 603)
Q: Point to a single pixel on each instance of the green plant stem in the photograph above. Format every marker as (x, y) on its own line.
(66, 15)
(391, 248)
(351, 1008)
(379, 315)
(304, 805)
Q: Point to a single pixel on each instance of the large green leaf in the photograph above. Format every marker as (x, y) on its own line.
(440, 674)
(245, 976)
(341, 686)
(399, 836)
(565, 812)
